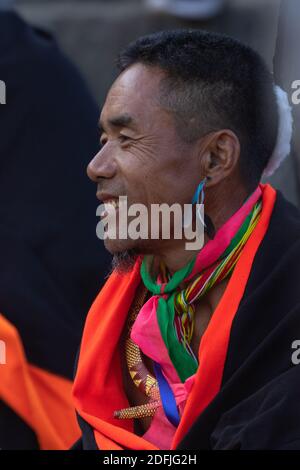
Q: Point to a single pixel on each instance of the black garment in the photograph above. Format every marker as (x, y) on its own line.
(51, 262)
(14, 433)
(258, 405)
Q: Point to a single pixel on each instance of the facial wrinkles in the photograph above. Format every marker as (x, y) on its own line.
(153, 150)
(145, 145)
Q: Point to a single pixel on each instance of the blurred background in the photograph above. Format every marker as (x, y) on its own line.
(91, 32)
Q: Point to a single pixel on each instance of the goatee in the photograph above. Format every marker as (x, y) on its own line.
(124, 261)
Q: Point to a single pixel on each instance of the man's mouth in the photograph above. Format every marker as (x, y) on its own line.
(112, 202)
(108, 199)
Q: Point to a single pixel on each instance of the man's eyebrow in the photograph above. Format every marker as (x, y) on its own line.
(124, 120)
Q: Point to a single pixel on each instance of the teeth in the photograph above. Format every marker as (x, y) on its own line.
(112, 202)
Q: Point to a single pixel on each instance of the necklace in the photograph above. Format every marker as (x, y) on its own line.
(139, 373)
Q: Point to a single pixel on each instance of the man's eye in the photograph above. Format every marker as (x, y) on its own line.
(123, 138)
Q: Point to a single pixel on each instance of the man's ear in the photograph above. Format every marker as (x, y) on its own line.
(219, 155)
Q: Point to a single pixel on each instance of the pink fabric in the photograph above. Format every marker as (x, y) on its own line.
(161, 431)
(152, 343)
(214, 248)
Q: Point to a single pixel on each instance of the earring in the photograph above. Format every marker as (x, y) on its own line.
(209, 227)
(199, 195)
(199, 198)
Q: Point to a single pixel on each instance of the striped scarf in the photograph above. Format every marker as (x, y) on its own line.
(176, 307)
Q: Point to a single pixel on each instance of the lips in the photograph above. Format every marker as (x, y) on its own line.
(106, 197)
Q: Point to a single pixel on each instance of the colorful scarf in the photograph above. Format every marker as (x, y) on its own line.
(175, 308)
(98, 389)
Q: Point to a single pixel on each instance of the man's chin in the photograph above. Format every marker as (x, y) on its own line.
(124, 261)
(125, 254)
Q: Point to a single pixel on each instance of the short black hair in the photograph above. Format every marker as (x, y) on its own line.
(220, 83)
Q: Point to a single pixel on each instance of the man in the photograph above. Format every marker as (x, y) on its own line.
(187, 349)
(51, 264)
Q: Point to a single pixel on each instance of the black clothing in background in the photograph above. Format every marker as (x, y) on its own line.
(51, 263)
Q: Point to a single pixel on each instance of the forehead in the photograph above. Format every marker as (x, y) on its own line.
(135, 92)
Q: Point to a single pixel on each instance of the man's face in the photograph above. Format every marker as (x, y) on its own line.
(142, 156)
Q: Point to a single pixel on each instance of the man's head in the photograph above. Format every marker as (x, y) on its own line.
(186, 105)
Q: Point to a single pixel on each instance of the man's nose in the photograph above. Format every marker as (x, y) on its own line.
(101, 166)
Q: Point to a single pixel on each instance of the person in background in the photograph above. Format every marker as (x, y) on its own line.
(52, 264)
